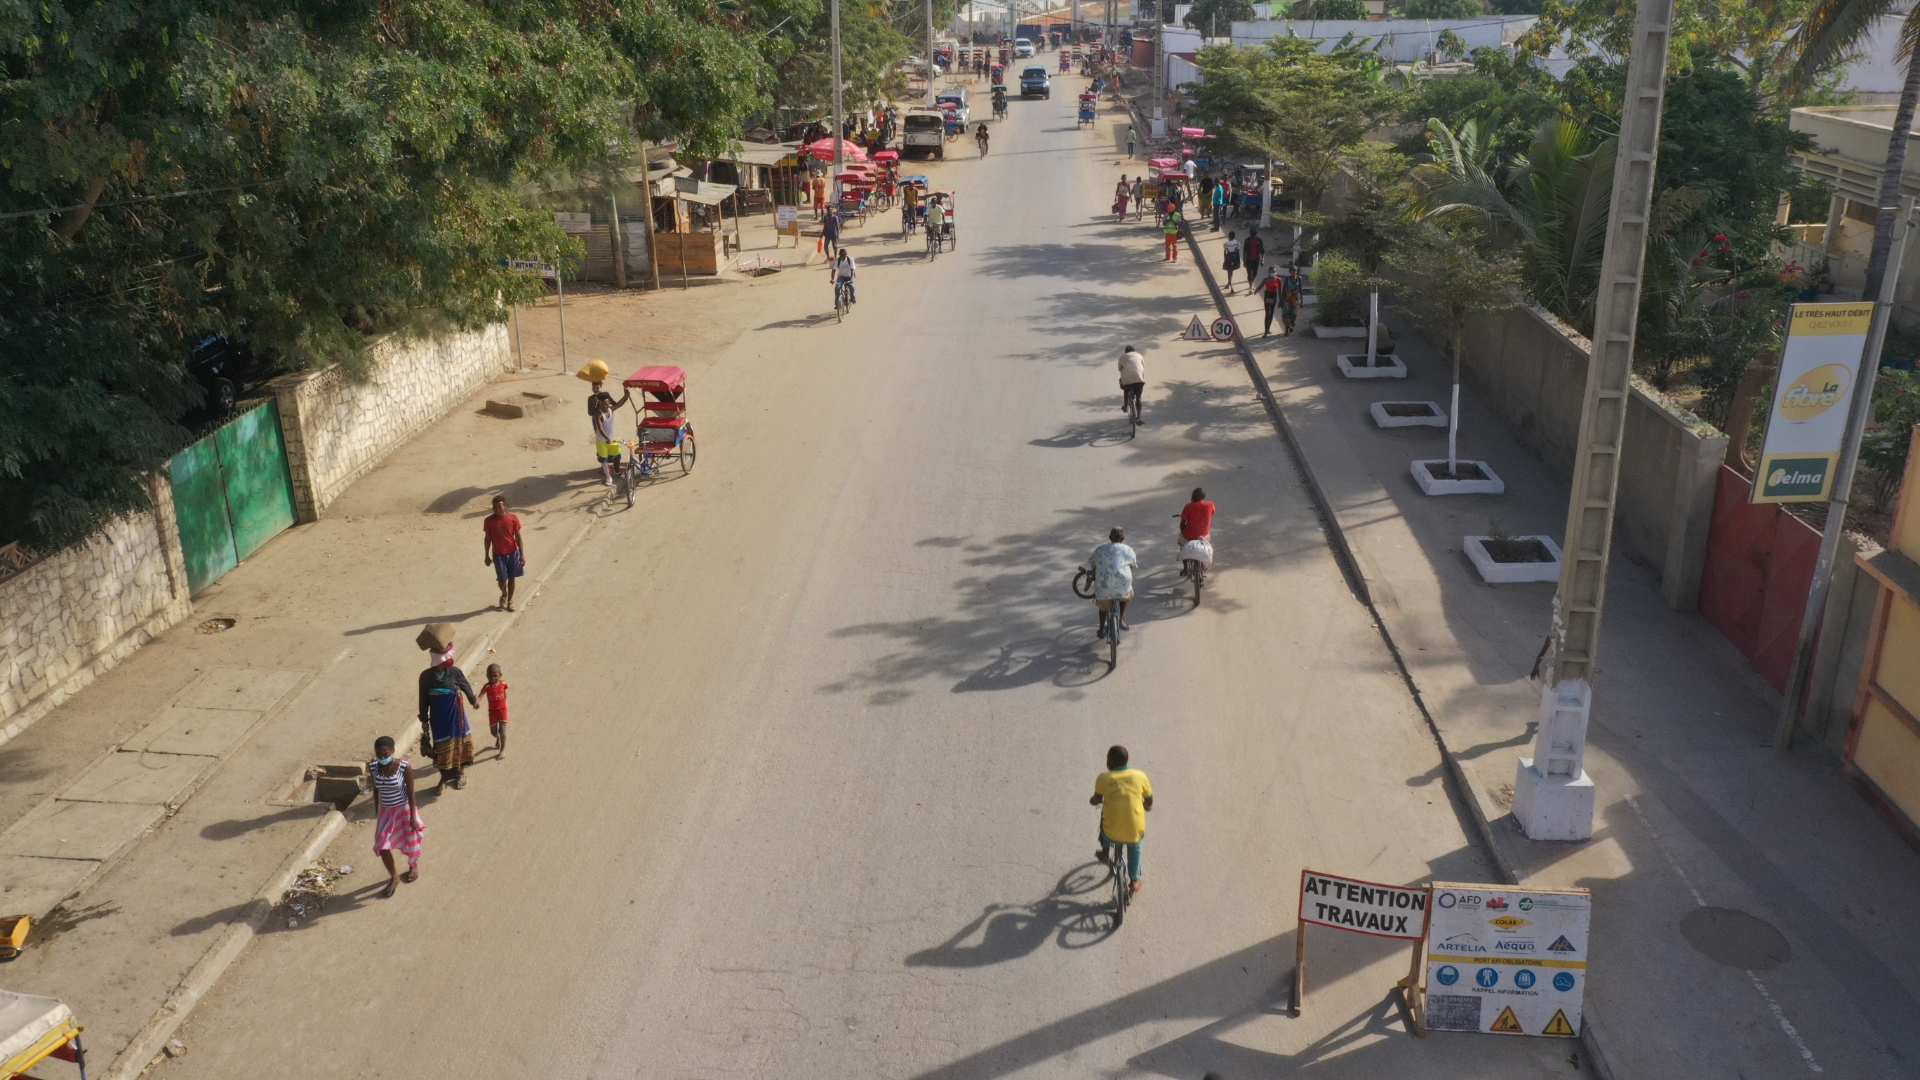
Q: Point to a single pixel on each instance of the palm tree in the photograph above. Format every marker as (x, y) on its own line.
(1832, 30)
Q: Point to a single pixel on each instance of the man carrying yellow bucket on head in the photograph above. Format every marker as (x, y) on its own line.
(601, 408)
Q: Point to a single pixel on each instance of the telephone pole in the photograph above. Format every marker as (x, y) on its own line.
(1553, 797)
(839, 117)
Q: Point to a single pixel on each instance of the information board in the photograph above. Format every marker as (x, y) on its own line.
(1506, 961)
(1811, 395)
(785, 217)
(1363, 906)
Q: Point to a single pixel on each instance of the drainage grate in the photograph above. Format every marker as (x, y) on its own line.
(214, 626)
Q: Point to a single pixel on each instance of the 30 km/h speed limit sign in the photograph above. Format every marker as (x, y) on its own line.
(1223, 329)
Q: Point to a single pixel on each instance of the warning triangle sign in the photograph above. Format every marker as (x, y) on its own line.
(1558, 1025)
(1509, 1024)
(1196, 332)
(1561, 944)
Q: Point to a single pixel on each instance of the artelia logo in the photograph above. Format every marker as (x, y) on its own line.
(1815, 392)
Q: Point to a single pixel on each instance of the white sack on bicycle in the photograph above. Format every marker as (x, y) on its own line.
(1199, 550)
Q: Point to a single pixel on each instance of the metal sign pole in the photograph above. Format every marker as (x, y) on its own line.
(1859, 410)
(1553, 797)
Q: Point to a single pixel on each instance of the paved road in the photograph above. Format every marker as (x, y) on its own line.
(803, 743)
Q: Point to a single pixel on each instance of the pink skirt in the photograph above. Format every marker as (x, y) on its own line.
(399, 828)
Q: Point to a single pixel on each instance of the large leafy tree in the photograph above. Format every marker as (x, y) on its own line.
(301, 175)
(1217, 17)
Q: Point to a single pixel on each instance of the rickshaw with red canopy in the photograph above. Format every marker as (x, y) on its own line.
(664, 434)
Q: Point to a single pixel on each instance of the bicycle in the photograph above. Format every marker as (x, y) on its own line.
(983, 146)
(842, 300)
(1194, 570)
(1122, 880)
(1131, 403)
(933, 241)
(1083, 588)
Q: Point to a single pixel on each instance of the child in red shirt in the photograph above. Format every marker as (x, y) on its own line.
(496, 694)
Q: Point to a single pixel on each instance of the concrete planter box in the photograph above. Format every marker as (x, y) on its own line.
(1426, 474)
(1545, 567)
(1339, 331)
(1388, 414)
(1385, 365)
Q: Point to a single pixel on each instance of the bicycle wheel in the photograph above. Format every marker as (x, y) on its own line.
(627, 484)
(1083, 583)
(1122, 884)
(1199, 579)
(839, 304)
(1113, 638)
(688, 452)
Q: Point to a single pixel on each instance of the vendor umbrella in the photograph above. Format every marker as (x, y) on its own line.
(823, 150)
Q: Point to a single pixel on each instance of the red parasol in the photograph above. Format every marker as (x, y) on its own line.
(823, 150)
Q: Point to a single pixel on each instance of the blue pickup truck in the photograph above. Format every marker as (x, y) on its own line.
(1034, 83)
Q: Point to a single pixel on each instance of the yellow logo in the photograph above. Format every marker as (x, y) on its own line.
(1815, 392)
(1509, 922)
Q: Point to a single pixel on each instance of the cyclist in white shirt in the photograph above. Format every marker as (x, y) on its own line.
(1133, 380)
(843, 270)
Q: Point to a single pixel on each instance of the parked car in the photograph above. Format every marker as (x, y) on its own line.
(958, 96)
(225, 369)
(1035, 83)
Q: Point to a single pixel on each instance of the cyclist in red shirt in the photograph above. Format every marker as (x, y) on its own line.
(503, 549)
(1196, 523)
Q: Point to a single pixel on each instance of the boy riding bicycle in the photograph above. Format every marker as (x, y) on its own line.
(1124, 796)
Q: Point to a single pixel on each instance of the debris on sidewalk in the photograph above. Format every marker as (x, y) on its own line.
(175, 1049)
(311, 890)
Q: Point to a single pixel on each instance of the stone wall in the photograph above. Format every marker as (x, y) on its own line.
(337, 429)
(72, 615)
(1533, 369)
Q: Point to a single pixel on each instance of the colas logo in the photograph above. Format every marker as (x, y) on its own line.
(1815, 392)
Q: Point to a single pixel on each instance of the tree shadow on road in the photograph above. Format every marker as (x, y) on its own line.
(1105, 264)
(1011, 619)
(1074, 915)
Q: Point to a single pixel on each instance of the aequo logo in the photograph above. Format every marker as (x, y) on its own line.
(1815, 392)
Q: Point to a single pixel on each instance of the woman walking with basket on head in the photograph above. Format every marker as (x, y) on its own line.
(443, 717)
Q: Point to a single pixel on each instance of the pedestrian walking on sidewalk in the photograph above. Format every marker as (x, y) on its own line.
(1130, 140)
(398, 826)
(496, 694)
(1121, 193)
(1139, 196)
(819, 196)
(1270, 292)
(503, 549)
(1250, 253)
(1172, 230)
(1219, 204)
(443, 715)
(1230, 261)
(830, 230)
(1290, 298)
(1204, 191)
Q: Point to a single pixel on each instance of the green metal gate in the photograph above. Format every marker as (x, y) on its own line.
(231, 494)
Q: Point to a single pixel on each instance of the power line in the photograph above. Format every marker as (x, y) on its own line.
(138, 199)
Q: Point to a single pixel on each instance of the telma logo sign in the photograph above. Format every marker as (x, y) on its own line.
(1796, 476)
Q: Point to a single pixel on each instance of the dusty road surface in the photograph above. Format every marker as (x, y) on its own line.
(802, 742)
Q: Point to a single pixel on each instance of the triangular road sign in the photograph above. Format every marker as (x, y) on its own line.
(1558, 1025)
(1509, 1024)
(1196, 332)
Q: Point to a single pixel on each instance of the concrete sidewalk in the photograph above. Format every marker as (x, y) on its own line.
(1753, 917)
(167, 794)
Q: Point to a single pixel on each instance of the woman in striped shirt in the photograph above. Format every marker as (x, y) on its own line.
(399, 825)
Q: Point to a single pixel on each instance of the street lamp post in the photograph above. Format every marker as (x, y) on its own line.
(930, 49)
(839, 117)
(1553, 798)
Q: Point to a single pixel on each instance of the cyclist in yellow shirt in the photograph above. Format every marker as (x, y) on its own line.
(1124, 796)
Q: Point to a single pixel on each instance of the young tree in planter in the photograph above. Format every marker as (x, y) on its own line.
(1455, 275)
(1379, 212)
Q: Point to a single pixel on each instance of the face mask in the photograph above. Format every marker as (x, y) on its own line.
(384, 762)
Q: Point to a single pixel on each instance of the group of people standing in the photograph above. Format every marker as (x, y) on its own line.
(1280, 290)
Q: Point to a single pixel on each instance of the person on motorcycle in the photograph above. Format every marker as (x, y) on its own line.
(980, 136)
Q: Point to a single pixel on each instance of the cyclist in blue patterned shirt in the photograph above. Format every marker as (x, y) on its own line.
(1113, 564)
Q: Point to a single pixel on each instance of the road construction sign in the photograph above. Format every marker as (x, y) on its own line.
(1195, 331)
(1223, 329)
(1362, 906)
(1505, 960)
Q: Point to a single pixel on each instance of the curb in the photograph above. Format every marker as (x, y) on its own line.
(151, 1040)
(1599, 1059)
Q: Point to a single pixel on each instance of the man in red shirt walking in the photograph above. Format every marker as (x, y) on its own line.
(503, 548)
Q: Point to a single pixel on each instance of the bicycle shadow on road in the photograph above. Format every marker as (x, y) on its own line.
(1074, 915)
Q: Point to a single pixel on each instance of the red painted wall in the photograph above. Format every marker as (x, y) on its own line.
(1759, 566)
